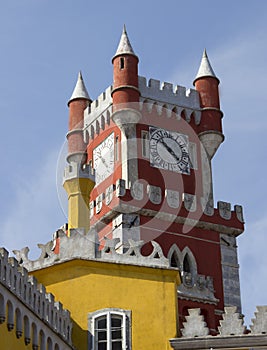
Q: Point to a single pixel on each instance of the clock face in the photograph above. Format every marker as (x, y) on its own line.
(169, 150)
(103, 158)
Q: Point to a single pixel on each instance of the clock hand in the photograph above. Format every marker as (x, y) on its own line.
(103, 161)
(170, 150)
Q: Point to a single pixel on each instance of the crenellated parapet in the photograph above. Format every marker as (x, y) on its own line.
(164, 96)
(232, 332)
(76, 171)
(199, 211)
(25, 305)
(171, 97)
(100, 107)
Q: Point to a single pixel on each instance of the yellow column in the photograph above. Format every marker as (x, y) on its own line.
(78, 184)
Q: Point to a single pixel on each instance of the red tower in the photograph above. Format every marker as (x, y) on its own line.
(78, 102)
(151, 146)
(125, 73)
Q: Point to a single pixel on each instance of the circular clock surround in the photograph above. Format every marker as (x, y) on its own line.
(169, 150)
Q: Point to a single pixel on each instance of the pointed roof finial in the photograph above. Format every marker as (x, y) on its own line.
(80, 90)
(205, 69)
(124, 46)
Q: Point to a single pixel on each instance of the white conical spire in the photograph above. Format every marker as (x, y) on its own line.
(80, 90)
(125, 46)
(205, 69)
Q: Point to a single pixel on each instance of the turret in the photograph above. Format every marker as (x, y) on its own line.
(79, 178)
(125, 96)
(125, 73)
(78, 102)
(207, 84)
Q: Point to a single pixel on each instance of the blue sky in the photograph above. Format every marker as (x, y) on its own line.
(45, 43)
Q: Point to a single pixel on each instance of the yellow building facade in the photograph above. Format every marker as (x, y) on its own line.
(149, 295)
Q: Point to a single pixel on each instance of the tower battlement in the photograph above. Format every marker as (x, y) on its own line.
(98, 107)
(76, 171)
(166, 92)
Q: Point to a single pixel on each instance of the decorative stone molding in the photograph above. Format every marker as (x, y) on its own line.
(172, 198)
(81, 246)
(232, 322)
(190, 202)
(154, 194)
(197, 288)
(249, 342)
(259, 323)
(137, 190)
(232, 333)
(195, 326)
(133, 254)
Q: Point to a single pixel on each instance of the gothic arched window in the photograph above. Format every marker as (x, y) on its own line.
(186, 264)
(175, 260)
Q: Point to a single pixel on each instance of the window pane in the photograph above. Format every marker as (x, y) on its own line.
(102, 323)
(102, 346)
(117, 345)
(101, 335)
(115, 322)
(116, 334)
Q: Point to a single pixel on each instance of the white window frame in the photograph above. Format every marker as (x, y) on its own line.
(126, 327)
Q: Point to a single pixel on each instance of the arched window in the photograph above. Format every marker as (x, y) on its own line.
(110, 329)
(175, 257)
(175, 260)
(186, 264)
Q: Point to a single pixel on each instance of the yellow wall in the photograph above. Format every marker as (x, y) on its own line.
(8, 340)
(87, 286)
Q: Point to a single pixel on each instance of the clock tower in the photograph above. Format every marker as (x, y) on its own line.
(151, 146)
